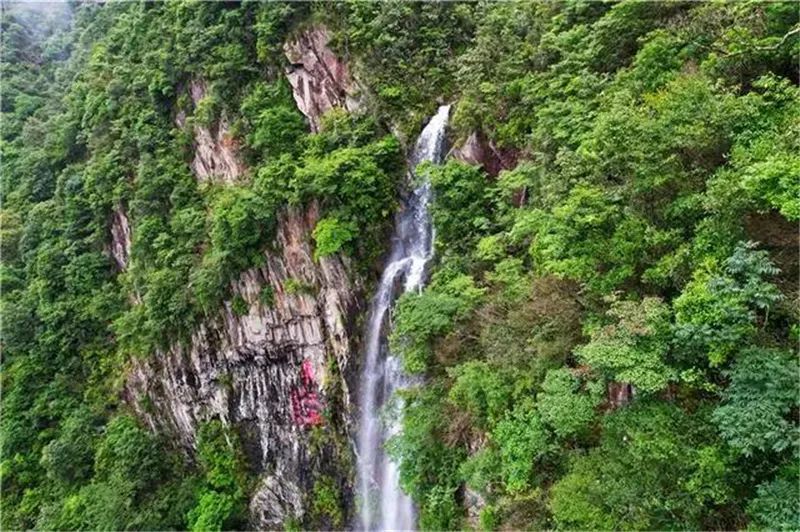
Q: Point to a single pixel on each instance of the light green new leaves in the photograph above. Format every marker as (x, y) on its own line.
(634, 347)
(563, 406)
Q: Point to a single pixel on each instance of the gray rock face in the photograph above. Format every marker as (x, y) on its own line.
(120, 237)
(320, 80)
(216, 151)
(276, 374)
(281, 373)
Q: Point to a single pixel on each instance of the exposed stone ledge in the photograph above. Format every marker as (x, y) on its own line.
(216, 151)
(320, 80)
(477, 150)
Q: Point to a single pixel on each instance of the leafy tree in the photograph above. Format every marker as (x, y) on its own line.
(636, 477)
(522, 440)
(718, 309)
(428, 465)
(419, 318)
(221, 499)
(461, 210)
(633, 348)
(331, 236)
(775, 506)
(563, 406)
(481, 390)
(755, 412)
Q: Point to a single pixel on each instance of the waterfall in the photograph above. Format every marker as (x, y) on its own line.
(384, 506)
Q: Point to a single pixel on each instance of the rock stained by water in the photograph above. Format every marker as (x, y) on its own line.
(266, 373)
(384, 506)
(271, 374)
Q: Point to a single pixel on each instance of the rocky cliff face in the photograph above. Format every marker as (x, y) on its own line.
(477, 150)
(120, 249)
(320, 80)
(281, 373)
(278, 374)
(216, 153)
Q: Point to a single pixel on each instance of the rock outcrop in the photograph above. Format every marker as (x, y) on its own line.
(618, 394)
(120, 249)
(320, 80)
(216, 153)
(275, 363)
(477, 150)
(276, 373)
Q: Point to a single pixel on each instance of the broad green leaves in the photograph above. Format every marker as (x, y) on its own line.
(634, 346)
(564, 406)
(717, 312)
(755, 415)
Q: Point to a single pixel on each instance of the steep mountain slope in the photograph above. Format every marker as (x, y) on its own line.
(197, 199)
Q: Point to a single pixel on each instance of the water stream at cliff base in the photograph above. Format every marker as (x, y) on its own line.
(384, 506)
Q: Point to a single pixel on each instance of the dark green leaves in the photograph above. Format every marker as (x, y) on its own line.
(755, 413)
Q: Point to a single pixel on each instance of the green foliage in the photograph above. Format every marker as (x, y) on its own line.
(428, 465)
(775, 505)
(239, 306)
(481, 471)
(212, 512)
(652, 139)
(488, 518)
(480, 390)
(297, 287)
(522, 441)
(763, 161)
(355, 184)
(408, 52)
(239, 221)
(274, 124)
(633, 348)
(222, 502)
(70, 457)
(122, 494)
(331, 236)
(636, 477)
(719, 309)
(755, 413)
(461, 210)
(325, 503)
(267, 296)
(563, 406)
(419, 318)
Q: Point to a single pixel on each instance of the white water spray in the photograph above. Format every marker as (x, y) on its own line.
(384, 506)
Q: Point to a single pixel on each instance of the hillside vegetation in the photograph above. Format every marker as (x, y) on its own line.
(609, 338)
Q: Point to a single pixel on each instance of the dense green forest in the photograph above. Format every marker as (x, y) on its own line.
(609, 338)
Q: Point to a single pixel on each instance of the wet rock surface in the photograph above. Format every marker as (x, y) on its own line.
(269, 373)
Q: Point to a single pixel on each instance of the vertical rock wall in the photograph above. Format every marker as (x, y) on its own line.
(280, 374)
(120, 249)
(320, 80)
(216, 154)
(276, 374)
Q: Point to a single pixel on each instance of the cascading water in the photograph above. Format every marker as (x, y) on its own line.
(384, 505)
